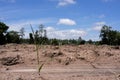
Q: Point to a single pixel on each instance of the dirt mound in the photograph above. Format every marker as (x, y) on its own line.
(8, 61)
(52, 54)
(88, 55)
(67, 61)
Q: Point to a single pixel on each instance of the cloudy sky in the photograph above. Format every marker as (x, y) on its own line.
(63, 19)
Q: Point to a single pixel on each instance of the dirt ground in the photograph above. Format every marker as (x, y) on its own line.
(67, 62)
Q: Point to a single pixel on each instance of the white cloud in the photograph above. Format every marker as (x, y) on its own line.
(16, 26)
(64, 34)
(26, 23)
(51, 31)
(66, 2)
(98, 28)
(66, 21)
(98, 25)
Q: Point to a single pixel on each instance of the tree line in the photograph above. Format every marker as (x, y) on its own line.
(107, 36)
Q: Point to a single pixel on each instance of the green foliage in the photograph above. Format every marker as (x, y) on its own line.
(83, 42)
(73, 41)
(3, 29)
(80, 41)
(118, 38)
(2, 39)
(13, 37)
(39, 36)
(109, 37)
(31, 40)
(104, 34)
(54, 42)
(90, 41)
(66, 41)
(25, 40)
(38, 40)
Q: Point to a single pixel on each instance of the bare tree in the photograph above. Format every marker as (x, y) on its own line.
(22, 31)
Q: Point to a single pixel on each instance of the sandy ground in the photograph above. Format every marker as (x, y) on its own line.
(68, 62)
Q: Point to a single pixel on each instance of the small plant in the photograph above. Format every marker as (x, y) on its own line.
(40, 67)
(37, 46)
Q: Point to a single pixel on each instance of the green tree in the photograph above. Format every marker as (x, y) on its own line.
(13, 37)
(54, 41)
(110, 37)
(90, 41)
(104, 34)
(80, 41)
(3, 29)
(118, 38)
(31, 41)
(40, 35)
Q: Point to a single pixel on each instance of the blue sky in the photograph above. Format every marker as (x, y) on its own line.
(63, 19)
